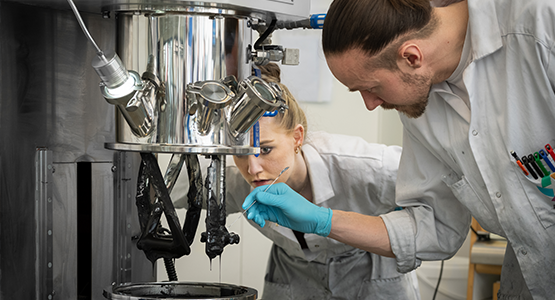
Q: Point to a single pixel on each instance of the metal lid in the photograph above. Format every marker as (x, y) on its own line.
(179, 290)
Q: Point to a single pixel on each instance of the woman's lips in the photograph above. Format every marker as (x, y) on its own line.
(261, 182)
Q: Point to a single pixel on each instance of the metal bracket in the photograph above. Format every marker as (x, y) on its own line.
(43, 218)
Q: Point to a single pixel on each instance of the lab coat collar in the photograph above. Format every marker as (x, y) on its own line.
(319, 175)
(442, 89)
(485, 33)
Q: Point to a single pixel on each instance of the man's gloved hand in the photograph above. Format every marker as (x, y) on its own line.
(282, 205)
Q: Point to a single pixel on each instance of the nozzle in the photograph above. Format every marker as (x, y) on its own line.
(111, 70)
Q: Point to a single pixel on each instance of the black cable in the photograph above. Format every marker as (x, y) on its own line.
(482, 235)
(438, 280)
(170, 269)
(265, 35)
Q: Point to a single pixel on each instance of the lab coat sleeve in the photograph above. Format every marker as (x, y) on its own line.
(433, 224)
(388, 176)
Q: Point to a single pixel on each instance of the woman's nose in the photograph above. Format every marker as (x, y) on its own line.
(254, 165)
(370, 100)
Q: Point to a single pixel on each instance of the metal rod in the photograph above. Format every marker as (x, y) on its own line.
(99, 52)
(255, 200)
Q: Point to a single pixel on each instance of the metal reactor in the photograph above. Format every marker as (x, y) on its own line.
(176, 77)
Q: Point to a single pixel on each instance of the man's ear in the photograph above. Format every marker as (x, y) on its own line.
(410, 55)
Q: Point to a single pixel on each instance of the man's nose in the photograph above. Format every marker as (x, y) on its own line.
(370, 100)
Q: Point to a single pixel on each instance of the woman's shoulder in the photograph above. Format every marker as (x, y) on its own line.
(347, 145)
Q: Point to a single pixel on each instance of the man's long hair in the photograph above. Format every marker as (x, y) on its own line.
(371, 25)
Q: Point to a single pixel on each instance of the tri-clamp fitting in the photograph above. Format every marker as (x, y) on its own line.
(136, 99)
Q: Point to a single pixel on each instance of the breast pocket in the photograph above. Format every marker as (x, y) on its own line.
(464, 192)
(540, 194)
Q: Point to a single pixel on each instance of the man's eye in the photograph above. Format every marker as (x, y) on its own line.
(265, 150)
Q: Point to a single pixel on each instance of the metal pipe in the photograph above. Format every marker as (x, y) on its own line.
(99, 52)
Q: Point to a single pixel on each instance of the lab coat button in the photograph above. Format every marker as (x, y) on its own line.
(474, 132)
(524, 252)
(498, 194)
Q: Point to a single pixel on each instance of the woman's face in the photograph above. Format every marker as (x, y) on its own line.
(277, 151)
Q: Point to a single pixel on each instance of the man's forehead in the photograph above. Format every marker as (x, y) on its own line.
(354, 68)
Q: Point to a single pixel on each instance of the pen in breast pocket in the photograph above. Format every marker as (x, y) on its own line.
(537, 157)
(550, 151)
(519, 163)
(532, 162)
(546, 159)
(527, 165)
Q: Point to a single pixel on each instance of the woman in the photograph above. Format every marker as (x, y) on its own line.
(334, 171)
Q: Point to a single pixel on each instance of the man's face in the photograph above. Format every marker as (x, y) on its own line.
(406, 93)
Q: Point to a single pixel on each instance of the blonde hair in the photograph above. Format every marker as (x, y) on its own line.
(292, 116)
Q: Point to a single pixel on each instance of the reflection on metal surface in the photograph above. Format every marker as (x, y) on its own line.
(136, 101)
(179, 290)
(163, 148)
(254, 99)
(209, 98)
(184, 50)
(283, 9)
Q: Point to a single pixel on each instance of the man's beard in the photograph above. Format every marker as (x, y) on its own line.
(422, 86)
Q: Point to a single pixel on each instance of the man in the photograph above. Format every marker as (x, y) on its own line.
(473, 81)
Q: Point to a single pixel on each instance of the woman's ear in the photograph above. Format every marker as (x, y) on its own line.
(298, 135)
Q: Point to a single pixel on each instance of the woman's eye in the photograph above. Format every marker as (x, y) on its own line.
(265, 150)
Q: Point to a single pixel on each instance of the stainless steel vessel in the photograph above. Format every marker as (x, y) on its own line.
(68, 219)
(201, 62)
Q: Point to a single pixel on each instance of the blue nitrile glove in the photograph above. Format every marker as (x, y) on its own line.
(281, 204)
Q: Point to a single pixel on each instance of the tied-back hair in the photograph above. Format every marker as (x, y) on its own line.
(372, 25)
(292, 116)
